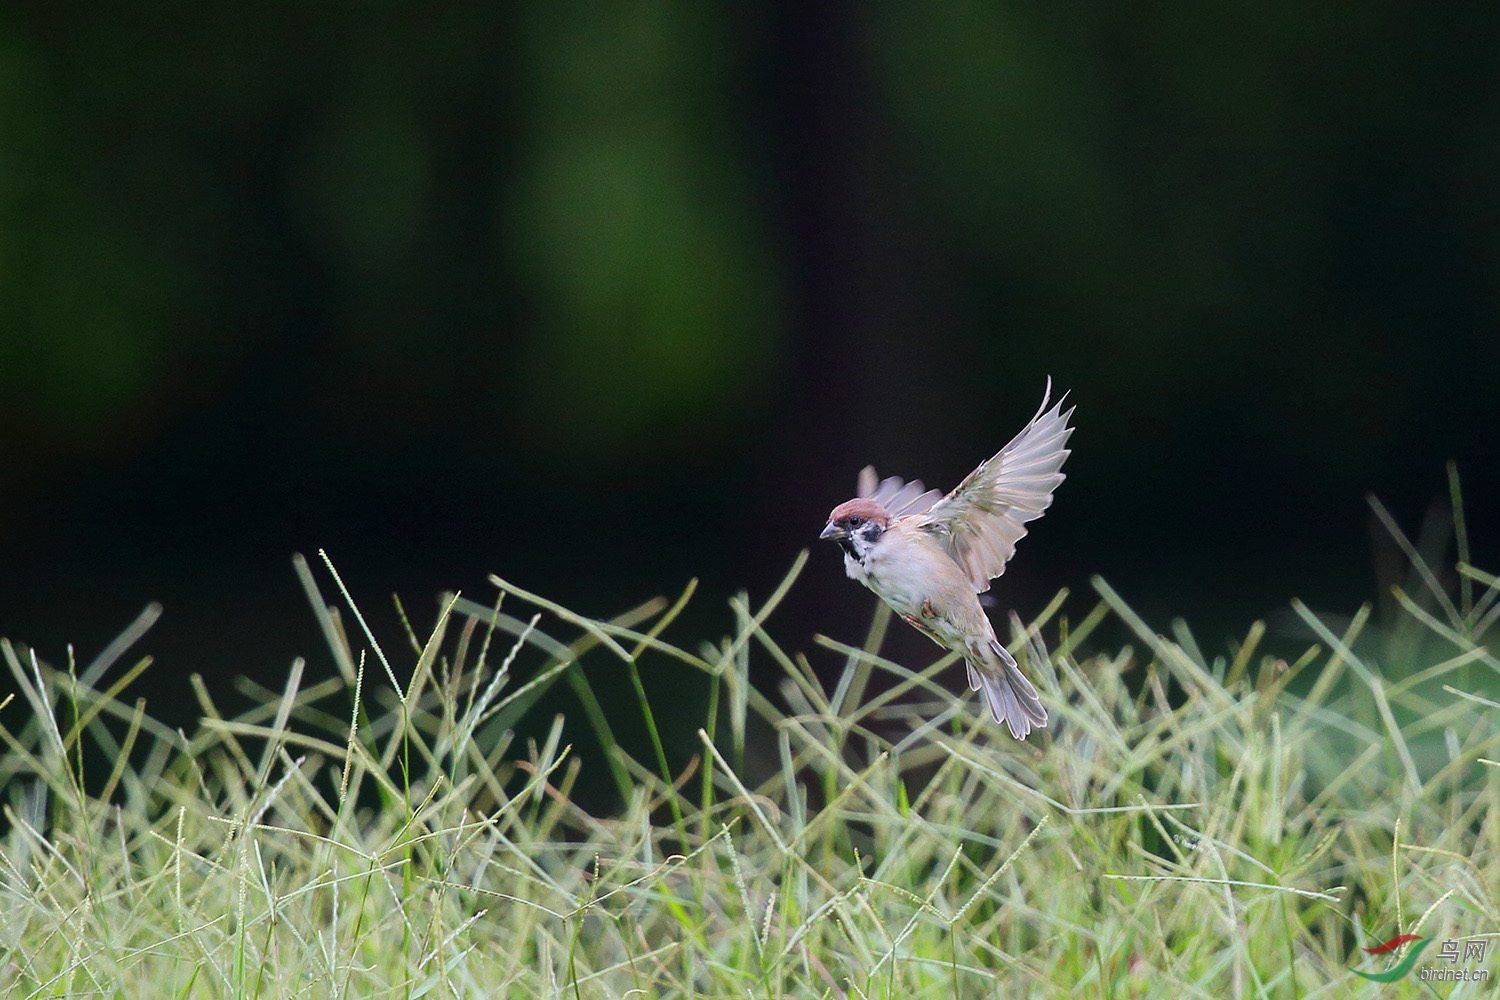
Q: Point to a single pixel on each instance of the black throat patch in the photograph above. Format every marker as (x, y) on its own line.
(858, 541)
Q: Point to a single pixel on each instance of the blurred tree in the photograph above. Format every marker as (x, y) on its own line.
(651, 298)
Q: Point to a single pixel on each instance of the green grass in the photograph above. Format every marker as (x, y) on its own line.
(1188, 826)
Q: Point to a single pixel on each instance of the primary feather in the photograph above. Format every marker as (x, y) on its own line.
(981, 521)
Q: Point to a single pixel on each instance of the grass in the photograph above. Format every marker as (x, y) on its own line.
(1188, 826)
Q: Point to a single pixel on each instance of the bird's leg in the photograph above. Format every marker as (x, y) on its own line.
(919, 621)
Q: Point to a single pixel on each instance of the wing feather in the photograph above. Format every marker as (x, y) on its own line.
(984, 517)
(897, 496)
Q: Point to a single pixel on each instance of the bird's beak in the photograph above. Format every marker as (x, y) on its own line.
(832, 530)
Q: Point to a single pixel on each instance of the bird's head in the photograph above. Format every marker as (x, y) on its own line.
(856, 525)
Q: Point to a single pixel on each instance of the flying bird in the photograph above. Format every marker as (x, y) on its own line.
(930, 556)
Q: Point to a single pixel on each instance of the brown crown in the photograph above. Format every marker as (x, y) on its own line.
(862, 507)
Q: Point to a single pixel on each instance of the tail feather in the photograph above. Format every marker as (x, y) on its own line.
(1011, 697)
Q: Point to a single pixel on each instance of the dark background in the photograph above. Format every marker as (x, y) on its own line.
(606, 299)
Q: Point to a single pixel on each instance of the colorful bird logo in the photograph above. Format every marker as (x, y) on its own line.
(1402, 967)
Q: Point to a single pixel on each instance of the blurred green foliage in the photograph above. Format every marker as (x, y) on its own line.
(184, 191)
(1191, 188)
(595, 225)
(632, 228)
(83, 302)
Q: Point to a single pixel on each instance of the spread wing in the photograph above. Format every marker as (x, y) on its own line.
(981, 521)
(896, 496)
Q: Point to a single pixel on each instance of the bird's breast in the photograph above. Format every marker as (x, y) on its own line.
(902, 573)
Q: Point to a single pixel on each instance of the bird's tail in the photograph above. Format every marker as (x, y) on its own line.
(1010, 695)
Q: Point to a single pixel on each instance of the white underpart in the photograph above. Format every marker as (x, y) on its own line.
(901, 577)
(906, 570)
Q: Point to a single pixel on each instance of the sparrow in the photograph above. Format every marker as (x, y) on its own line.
(930, 556)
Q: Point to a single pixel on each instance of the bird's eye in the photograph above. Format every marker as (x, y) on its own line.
(855, 522)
